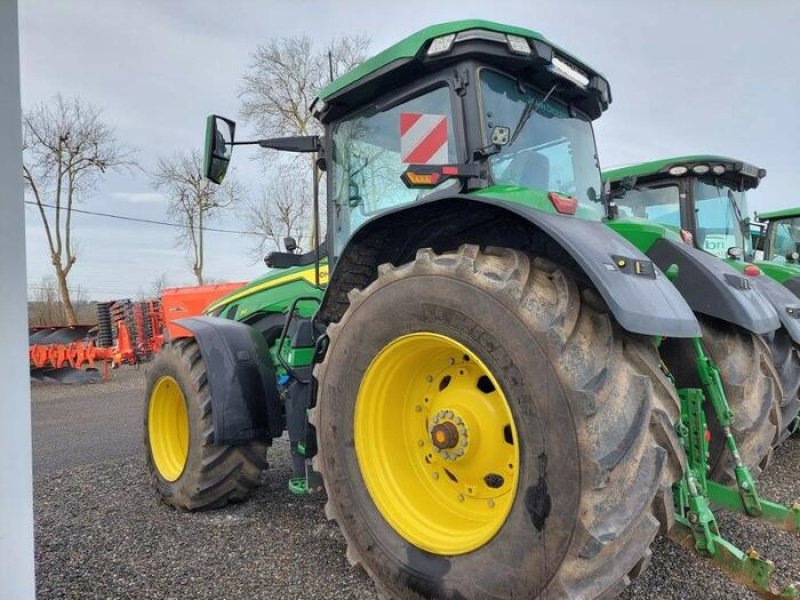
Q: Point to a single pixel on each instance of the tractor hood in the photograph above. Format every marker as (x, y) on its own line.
(272, 292)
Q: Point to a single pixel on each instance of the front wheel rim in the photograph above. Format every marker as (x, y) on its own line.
(436, 443)
(168, 428)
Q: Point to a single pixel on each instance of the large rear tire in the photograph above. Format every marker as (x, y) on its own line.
(525, 366)
(751, 387)
(786, 360)
(186, 468)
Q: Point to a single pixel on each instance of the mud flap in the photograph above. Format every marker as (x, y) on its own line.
(244, 393)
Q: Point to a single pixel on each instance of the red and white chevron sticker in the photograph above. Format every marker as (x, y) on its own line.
(423, 139)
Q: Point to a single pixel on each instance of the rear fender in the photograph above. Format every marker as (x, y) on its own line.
(638, 294)
(244, 394)
(714, 288)
(785, 303)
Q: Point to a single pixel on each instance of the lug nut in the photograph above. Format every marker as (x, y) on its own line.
(420, 443)
(418, 408)
(491, 503)
(461, 497)
(435, 476)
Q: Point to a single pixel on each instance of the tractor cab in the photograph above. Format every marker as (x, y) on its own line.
(458, 108)
(701, 198)
(779, 236)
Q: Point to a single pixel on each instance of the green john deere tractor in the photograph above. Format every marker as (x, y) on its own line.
(778, 242)
(701, 200)
(477, 386)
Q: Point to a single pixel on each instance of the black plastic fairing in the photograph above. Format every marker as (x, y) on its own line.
(714, 288)
(785, 303)
(639, 296)
(244, 396)
(643, 301)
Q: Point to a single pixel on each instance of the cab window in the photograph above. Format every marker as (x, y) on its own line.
(372, 149)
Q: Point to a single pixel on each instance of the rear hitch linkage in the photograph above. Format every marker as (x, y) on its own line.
(694, 495)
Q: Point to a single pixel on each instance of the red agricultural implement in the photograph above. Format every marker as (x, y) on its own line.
(126, 333)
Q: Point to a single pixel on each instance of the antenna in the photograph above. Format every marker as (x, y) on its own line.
(330, 64)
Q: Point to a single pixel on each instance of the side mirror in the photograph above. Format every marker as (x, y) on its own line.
(290, 244)
(219, 145)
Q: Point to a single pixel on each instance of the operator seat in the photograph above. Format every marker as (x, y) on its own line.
(529, 169)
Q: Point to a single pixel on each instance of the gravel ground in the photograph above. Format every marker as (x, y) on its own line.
(77, 425)
(101, 533)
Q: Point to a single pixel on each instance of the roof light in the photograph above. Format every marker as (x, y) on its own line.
(718, 169)
(561, 67)
(678, 171)
(565, 205)
(700, 169)
(518, 44)
(441, 44)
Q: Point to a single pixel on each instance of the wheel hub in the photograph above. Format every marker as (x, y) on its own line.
(450, 440)
(449, 434)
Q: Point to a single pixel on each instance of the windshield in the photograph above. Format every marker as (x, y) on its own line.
(660, 204)
(551, 150)
(719, 214)
(784, 240)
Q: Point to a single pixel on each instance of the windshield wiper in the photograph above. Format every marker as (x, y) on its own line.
(531, 106)
(737, 212)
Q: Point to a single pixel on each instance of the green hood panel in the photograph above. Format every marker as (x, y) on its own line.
(272, 292)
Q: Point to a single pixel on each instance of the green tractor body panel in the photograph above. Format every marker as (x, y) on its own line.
(643, 233)
(273, 292)
(536, 199)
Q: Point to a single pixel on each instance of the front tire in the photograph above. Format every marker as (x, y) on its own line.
(588, 464)
(187, 470)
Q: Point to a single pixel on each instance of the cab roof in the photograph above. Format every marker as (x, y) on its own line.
(661, 168)
(784, 213)
(394, 66)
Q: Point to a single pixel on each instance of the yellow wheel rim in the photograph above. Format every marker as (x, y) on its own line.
(168, 428)
(436, 443)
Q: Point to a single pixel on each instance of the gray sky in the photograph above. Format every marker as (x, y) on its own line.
(686, 77)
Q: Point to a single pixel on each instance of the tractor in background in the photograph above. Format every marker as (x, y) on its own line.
(477, 384)
(701, 200)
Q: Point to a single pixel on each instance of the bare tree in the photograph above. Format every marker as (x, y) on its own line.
(284, 210)
(67, 147)
(193, 201)
(45, 307)
(282, 80)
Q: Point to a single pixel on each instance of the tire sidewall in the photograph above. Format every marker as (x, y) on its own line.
(521, 558)
(170, 363)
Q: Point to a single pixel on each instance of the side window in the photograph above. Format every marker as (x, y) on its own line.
(372, 149)
(659, 204)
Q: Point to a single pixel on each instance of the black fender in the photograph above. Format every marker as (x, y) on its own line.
(244, 395)
(793, 285)
(638, 294)
(714, 288)
(785, 303)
